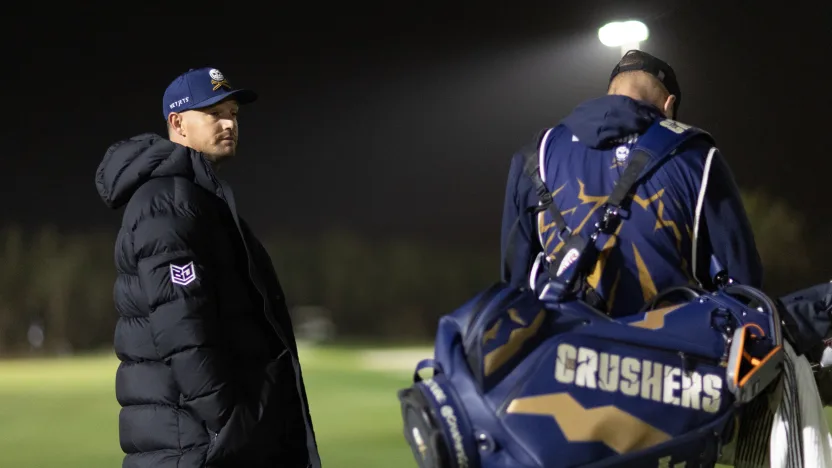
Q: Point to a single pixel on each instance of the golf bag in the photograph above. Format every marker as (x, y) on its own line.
(517, 382)
(526, 379)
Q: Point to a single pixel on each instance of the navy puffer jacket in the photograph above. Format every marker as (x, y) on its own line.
(209, 375)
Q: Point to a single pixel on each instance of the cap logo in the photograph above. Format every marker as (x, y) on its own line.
(218, 80)
(179, 102)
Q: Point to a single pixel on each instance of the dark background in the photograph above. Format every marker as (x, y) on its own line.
(374, 163)
(401, 121)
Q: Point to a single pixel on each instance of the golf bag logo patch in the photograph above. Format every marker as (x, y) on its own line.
(182, 275)
(568, 260)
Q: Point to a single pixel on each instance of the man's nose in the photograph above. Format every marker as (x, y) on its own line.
(229, 124)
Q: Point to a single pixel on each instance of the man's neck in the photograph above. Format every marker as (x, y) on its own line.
(635, 94)
(628, 91)
(215, 165)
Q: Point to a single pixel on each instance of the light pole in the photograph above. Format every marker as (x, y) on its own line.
(625, 34)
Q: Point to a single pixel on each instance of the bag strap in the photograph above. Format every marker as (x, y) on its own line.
(653, 148)
(530, 157)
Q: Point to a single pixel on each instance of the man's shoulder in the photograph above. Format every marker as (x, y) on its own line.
(544, 138)
(692, 144)
(693, 160)
(691, 140)
(165, 190)
(169, 195)
(557, 134)
(695, 152)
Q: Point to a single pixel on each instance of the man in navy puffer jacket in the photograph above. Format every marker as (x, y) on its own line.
(209, 373)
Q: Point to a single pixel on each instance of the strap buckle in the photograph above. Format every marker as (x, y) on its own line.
(612, 216)
(568, 232)
(546, 201)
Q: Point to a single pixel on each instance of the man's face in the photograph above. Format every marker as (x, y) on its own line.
(212, 130)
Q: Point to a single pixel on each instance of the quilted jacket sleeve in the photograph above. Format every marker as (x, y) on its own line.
(177, 274)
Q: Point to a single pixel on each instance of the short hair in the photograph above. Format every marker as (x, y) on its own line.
(646, 86)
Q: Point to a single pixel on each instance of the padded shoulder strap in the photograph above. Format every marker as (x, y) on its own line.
(663, 138)
(653, 148)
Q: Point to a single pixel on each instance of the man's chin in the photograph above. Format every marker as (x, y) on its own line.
(218, 157)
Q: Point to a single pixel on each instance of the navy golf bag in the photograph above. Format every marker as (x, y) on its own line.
(517, 382)
(524, 378)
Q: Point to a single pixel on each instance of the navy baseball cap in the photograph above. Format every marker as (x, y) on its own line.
(200, 88)
(642, 61)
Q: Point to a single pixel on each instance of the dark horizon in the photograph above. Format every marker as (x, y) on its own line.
(404, 126)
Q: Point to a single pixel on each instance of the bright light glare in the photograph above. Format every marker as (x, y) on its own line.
(618, 33)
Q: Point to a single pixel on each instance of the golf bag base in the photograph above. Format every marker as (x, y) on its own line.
(517, 382)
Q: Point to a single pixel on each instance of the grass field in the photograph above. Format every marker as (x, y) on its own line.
(62, 412)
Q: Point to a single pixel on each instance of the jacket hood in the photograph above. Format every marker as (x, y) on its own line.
(599, 122)
(130, 163)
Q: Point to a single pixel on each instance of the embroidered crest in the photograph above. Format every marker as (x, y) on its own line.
(621, 153)
(182, 275)
(218, 79)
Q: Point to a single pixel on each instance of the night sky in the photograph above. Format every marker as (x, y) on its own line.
(401, 122)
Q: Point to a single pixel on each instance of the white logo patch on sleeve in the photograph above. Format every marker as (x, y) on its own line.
(182, 275)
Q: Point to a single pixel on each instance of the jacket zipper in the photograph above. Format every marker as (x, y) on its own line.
(249, 259)
(313, 457)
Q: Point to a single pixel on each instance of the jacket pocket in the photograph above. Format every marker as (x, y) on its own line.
(243, 433)
(273, 374)
(212, 444)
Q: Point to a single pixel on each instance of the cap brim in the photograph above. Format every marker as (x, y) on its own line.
(242, 96)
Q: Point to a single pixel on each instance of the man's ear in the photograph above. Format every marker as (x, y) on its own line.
(176, 124)
(668, 106)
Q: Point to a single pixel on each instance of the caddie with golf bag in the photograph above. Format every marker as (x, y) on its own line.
(549, 381)
(555, 372)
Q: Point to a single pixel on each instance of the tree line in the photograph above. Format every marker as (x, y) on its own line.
(56, 287)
